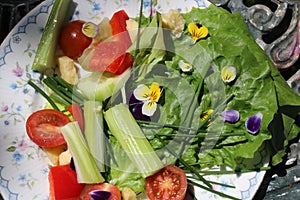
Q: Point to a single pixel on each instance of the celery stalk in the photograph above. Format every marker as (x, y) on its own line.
(133, 141)
(86, 168)
(94, 134)
(45, 54)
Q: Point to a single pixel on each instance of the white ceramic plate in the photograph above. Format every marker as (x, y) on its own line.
(23, 166)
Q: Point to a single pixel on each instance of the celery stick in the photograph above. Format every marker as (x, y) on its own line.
(86, 168)
(94, 134)
(133, 141)
(45, 54)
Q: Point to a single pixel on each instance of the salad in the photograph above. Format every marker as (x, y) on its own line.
(146, 107)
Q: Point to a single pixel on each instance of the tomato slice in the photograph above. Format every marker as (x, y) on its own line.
(63, 183)
(110, 57)
(77, 115)
(114, 190)
(43, 127)
(169, 183)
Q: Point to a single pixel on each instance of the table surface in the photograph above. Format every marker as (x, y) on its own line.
(280, 183)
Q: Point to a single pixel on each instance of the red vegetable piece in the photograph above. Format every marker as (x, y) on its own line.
(119, 30)
(169, 183)
(43, 127)
(77, 115)
(63, 183)
(110, 57)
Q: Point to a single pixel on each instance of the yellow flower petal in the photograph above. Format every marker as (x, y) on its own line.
(142, 93)
(205, 114)
(149, 107)
(228, 74)
(90, 29)
(197, 31)
(185, 67)
(154, 92)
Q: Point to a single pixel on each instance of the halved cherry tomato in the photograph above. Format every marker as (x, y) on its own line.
(72, 41)
(169, 183)
(43, 127)
(77, 114)
(63, 183)
(110, 57)
(114, 190)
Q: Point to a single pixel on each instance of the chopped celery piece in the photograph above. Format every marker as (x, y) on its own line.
(45, 54)
(94, 134)
(133, 141)
(99, 86)
(86, 168)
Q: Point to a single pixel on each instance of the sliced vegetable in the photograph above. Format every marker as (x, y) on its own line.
(63, 183)
(72, 40)
(100, 86)
(45, 53)
(77, 114)
(110, 57)
(119, 30)
(126, 130)
(169, 183)
(85, 165)
(43, 127)
(114, 191)
(94, 131)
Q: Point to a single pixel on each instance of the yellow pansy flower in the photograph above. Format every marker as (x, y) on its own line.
(90, 29)
(149, 96)
(197, 30)
(228, 74)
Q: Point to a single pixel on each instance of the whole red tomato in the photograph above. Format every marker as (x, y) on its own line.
(72, 41)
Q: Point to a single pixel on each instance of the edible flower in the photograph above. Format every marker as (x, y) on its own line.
(197, 30)
(253, 123)
(184, 66)
(149, 97)
(100, 195)
(230, 116)
(90, 29)
(228, 74)
(206, 114)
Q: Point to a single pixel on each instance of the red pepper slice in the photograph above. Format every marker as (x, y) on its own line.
(77, 114)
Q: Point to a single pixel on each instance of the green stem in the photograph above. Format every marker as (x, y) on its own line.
(37, 88)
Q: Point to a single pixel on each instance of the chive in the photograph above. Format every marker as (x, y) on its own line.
(37, 88)
(190, 168)
(139, 30)
(212, 190)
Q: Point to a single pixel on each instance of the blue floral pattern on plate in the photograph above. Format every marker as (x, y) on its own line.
(23, 166)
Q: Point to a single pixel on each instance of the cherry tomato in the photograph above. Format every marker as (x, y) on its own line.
(169, 183)
(43, 127)
(72, 41)
(114, 190)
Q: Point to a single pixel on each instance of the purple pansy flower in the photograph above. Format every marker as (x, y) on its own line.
(100, 195)
(231, 116)
(253, 123)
